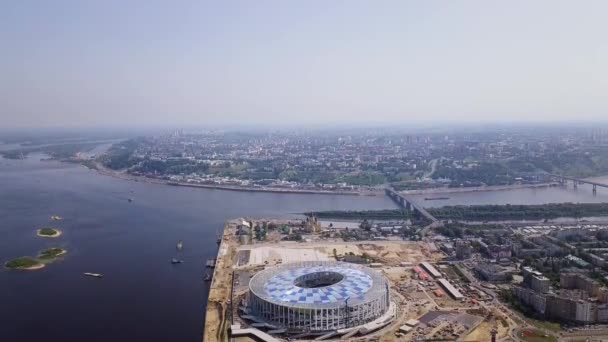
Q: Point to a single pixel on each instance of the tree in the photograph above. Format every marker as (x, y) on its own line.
(365, 225)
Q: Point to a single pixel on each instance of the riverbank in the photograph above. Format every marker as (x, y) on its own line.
(121, 175)
(519, 212)
(477, 189)
(215, 325)
(560, 221)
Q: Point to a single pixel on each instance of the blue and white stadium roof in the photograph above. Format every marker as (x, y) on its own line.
(318, 284)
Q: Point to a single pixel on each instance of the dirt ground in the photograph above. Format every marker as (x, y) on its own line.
(482, 332)
(397, 274)
(389, 252)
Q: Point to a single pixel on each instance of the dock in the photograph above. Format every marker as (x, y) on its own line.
(210, 263)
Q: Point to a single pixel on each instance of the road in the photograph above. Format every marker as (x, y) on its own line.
(433, 169)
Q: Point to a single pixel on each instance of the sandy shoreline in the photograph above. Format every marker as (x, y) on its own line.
(38, 266)
(32, 268)
(63, 252)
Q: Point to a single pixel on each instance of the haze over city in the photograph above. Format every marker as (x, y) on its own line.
(314, 170)
(100, 63)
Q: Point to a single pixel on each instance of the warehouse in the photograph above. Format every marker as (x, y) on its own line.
(450, 289)
(431, 269)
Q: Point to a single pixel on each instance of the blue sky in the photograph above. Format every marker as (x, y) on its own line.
(74, 63)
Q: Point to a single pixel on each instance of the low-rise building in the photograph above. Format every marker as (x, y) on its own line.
(463, 249)
(492, 272)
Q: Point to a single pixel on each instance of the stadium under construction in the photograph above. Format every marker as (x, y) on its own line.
(316, 297)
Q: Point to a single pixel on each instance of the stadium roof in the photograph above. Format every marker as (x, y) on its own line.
(353, 283)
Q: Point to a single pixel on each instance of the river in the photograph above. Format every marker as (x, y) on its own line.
(142, 297)
(556, 194)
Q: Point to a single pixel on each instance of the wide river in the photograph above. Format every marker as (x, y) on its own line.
(142, 297)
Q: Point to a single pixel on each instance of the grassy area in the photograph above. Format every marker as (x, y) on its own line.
(24, 262)
(552, 326)
(51, 253)
(519, 212)
(537, 336)
(459, 274)
(48, 231)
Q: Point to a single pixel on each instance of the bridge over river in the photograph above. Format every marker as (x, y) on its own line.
(577, 181)
(409, 204)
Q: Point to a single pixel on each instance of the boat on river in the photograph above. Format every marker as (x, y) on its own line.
(94, 275)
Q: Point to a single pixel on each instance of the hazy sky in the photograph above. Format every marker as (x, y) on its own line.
(215, 62)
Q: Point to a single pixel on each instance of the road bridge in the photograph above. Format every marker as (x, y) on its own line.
(577, 181)
(409, 204)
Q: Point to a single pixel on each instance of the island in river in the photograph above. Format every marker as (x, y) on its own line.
(48, 232)
(51, 253)
(24, 263)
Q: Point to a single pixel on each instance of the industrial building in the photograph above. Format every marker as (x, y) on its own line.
(318, 296)
(421, 274)
(432, 270)
(450, 289)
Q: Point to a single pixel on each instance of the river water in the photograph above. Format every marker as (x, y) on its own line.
(142, 297)
(557, 194)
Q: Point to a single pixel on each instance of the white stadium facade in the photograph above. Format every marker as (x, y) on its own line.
(318, 296)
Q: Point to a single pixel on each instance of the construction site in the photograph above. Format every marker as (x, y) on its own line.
(267, 286)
